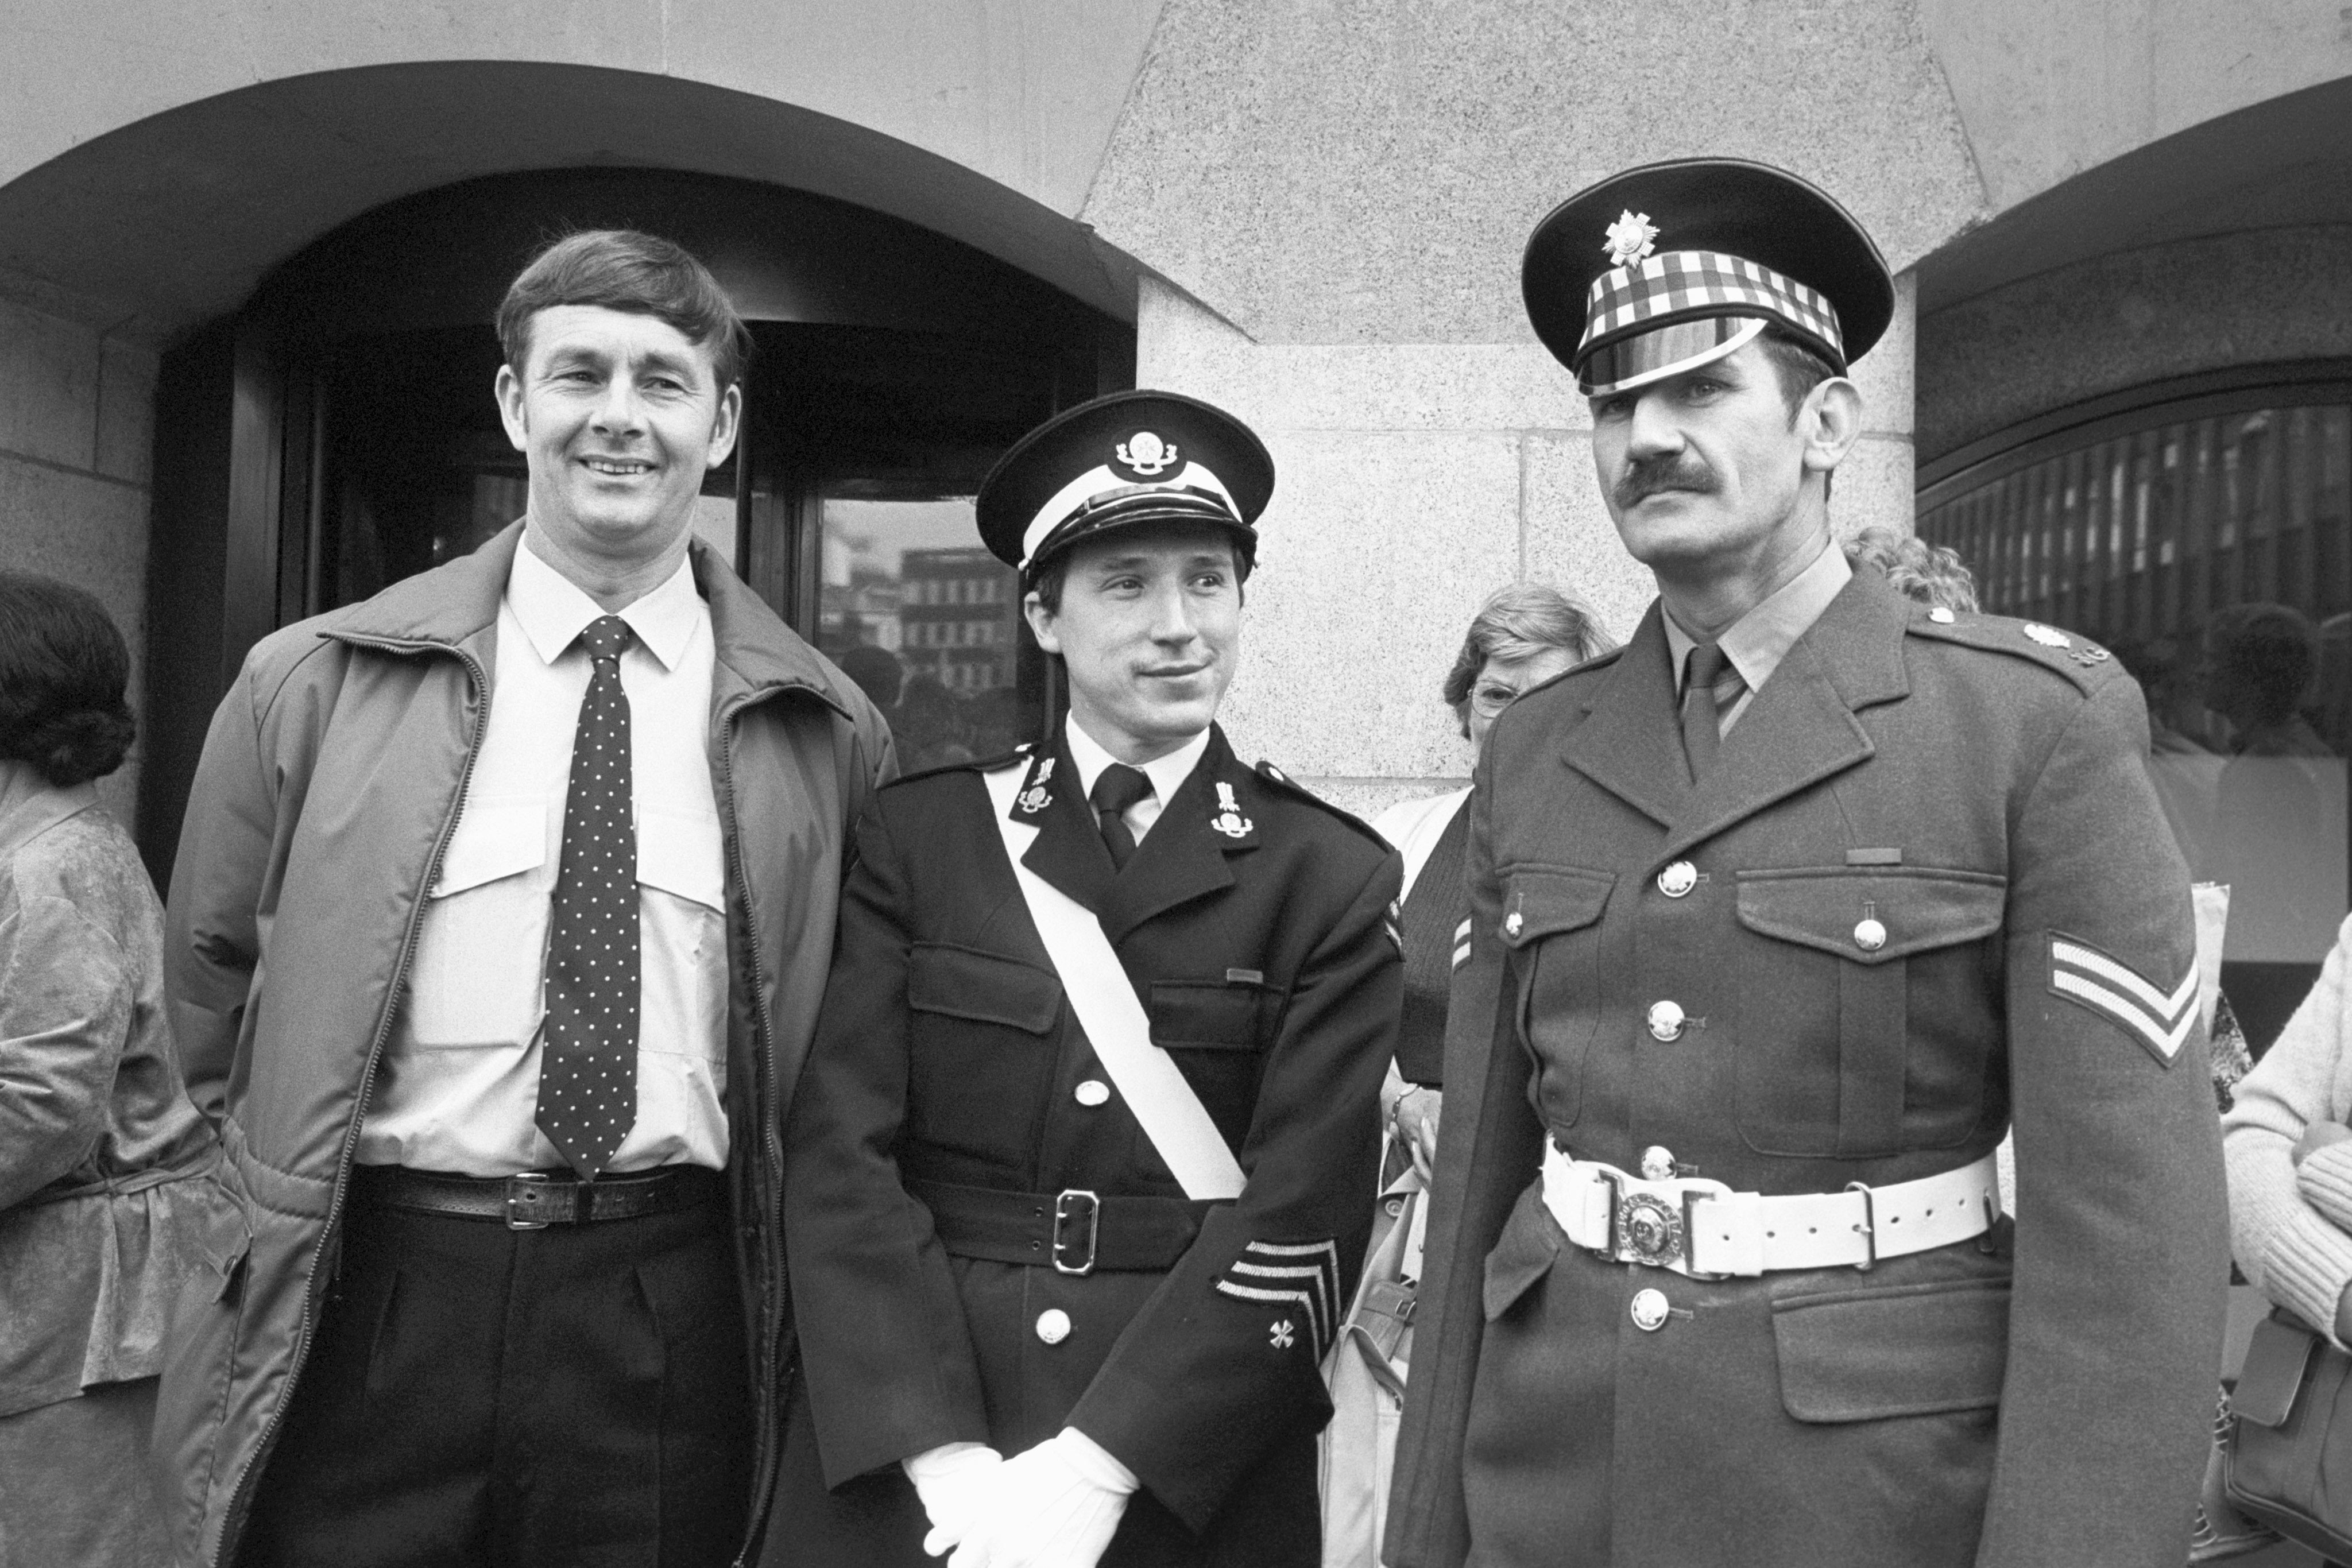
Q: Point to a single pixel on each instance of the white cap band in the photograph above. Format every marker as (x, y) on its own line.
(1067, 500)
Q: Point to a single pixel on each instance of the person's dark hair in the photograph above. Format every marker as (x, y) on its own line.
(62, 670)
(1915, 568)
(2266, 655)
(622, 269)
(877, 671)
(1518, 621)
(1799, 369)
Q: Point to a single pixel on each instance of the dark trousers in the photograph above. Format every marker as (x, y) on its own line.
(480, 1397)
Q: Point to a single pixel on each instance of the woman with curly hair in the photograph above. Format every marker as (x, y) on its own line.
(103, 1200)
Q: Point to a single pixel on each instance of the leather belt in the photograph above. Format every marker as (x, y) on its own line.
(534, 1200)
(1705, 1230)
(1076, 1231)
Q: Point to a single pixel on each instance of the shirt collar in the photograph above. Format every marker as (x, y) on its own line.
(1166, 773)
(554, 610)
(1759, 640)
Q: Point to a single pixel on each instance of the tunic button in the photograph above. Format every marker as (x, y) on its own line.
(1092, 1092)
(1665, 1021)
(1054, 1323)
(1649, 1311)
(1657, 1163)
(1678, 879)
(1512, 923)
(1870, 935)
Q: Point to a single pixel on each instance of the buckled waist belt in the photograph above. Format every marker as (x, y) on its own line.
(1705, 1230)
(1075, 1230)
(536, 1199)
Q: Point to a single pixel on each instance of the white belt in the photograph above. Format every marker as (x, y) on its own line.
(1705, 1230)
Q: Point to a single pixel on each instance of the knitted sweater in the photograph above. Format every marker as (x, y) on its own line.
(2292, 1226)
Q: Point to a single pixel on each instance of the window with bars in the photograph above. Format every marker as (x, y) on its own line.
(2206, 539)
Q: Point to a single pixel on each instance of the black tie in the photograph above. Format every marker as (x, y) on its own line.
(588, 1075)
(1118, 788)
(1702, 717)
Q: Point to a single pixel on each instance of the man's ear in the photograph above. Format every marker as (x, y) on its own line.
(507, 389)
(1830, 420)
(727, 425)
(1041, 622)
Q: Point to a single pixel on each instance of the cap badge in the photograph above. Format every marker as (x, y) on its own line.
(1229, 820)
(2048, 636)
(1146, 453)
(1036, 797)
(1631, 238)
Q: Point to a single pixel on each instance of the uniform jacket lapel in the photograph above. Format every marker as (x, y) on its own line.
(1184, 856)
(1629, 742)
(1068, 850)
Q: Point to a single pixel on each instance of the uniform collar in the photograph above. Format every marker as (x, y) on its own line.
(553, 611)
(1759, 640)
(1167, 773)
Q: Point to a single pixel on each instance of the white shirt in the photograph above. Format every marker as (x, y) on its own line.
(458, 1086)
(1166, 773)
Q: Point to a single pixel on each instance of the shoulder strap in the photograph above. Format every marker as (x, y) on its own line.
(1101, 994)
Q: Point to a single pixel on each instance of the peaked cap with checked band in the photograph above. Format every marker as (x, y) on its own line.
(1666, 267)
(1126, 458)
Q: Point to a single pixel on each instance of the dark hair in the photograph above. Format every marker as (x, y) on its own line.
(1928, 573)
(2268, 652)
(62, 669)
(1519, 620)
(620, 269)
(1799, 367)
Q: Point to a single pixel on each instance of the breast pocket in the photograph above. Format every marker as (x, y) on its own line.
(979, 1049)
(476, 973)
(682, 903)
(1866, 1005)
(1218, 1032)
(1552, 924)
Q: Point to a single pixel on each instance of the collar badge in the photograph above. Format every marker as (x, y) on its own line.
(1631, 238)
(1036, 797)
(1229, 820)
(1146, 453)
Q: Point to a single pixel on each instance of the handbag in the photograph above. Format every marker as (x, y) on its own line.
(2290, 1446)
(1365, 1371)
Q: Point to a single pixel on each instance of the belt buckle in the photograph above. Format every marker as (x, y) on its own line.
(1647, 1229)
(1063, 1213)
(518, 1190)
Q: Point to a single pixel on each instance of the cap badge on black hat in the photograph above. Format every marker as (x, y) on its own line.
(1146, 454)
(1631, 238)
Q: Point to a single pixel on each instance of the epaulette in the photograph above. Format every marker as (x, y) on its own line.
(971, 765)
(2078, 658)
(1290, 786)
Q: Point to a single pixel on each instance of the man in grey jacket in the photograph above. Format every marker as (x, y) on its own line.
(498, 930)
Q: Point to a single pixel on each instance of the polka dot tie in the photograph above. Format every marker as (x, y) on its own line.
(588, 1073)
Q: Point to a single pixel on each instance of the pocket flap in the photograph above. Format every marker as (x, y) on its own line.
(1523, 1254)
(1915, 911)
(1896, 1350)
(1204, 1015)
(1545, 900)
(965, 983)
(680, 852)
(494, 839)
(2276, 1358)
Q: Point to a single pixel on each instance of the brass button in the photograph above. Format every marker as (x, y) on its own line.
(1512, 924)
(1395, 1206)
(1870, 935)
(1052, 1325)
(1665, 1021)
(1678, 879)
(1092, 1092)
(1649, 1311)
(1657, 1163)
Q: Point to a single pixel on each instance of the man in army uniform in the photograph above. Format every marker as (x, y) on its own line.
(1078, 1166)
(1782, 914)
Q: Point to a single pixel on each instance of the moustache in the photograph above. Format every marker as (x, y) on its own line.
(1643, 480)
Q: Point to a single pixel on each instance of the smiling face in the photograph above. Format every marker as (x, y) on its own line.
(619, 415)
(1149, 626)
(1706, 472)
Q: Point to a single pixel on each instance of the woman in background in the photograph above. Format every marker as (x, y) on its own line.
(103, 1206)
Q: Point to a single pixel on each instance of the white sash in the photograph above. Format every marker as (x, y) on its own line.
(1104, 999)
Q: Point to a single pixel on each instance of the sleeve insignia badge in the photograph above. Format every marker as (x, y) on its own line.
(1304, 1276)
(2048, 636)
(2158, 1019)
(1393, 923)
(1631, 238)
(1229, 820)
(1146, 454)
(1037, 796)
(1462, 944)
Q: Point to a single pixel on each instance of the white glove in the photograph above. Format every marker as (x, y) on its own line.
(954, 1481)
(1055, 1506)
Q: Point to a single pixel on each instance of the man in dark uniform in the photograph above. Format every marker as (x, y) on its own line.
(1780, 916)
(1078, 1169)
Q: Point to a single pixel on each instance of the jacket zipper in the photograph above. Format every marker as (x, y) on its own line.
(232, 1521)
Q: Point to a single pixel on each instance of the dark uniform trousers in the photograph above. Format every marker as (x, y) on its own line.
(1252, 921)
(1916, 843)
(480, 1397)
